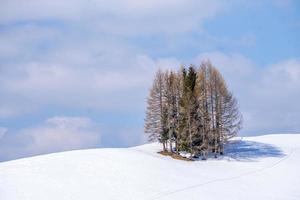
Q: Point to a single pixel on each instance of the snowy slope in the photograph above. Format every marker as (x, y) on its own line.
(264, 167)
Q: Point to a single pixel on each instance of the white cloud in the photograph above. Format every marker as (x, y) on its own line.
(69, 122)
(89, 56)
(52, 61)
(8, 112)
(55, 134)
(25, 40)
(63, 133)
(268, 95)
(287, 73)
(275, 97)
(2, 132)
(91, 83)
(12, 105)
(238, 70)
(125, 16)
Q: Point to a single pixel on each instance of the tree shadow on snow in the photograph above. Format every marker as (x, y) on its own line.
(250, 151)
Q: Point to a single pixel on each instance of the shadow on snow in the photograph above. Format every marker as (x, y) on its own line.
(249, 150)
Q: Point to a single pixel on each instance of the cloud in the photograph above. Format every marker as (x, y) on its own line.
(2, 132)
(287, 74)
(8, 112)
(54, 51)
(55, 134)
(36, 84)
(69, 122)
(129, 17)
(97, 58)
(275, 97)
(235, 67)
(22, 41)
(267, 95)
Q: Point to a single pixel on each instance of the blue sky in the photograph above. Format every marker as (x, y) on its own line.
(75, 74)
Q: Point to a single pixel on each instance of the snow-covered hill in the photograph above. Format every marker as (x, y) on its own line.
(264, 167)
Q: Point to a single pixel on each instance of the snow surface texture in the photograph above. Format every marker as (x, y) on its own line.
(263, 167)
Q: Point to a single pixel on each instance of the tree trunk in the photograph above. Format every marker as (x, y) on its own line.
(171, 149)
(164, 146)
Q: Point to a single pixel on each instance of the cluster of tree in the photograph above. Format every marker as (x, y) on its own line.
(192, 110)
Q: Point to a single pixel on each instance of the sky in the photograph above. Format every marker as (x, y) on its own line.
(76, 74)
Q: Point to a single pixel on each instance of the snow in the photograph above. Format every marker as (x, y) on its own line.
(262, 167)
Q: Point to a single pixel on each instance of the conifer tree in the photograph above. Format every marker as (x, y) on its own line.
(156, 114)
(171, 105)
(192, 108)
(203, 109)
(188, 107)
